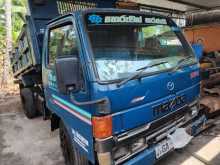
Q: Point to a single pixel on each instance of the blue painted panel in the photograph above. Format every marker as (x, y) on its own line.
(152, 87)
(145, 158)
(76, 119)
(143, 114)
(153, 90)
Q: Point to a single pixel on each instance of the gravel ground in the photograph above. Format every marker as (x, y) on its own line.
(30, 142)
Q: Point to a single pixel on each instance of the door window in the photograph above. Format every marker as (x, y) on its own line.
(62, 43)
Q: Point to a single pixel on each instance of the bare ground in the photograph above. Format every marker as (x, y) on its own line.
(30, 142)
(10, 100)
(23, 141)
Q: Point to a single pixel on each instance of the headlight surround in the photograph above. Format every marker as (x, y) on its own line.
(137, 144)
(195, 110)
(120, 152)
(131, 148)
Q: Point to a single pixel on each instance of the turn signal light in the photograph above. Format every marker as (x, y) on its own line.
(102, 127)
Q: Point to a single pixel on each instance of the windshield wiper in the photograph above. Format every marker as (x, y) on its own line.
(139, 72)
(181, 62)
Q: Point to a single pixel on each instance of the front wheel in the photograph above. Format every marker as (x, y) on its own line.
(71, 155)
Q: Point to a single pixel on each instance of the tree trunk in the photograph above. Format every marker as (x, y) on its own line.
(8, 25)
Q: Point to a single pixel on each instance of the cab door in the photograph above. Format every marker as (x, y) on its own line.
(62, 42)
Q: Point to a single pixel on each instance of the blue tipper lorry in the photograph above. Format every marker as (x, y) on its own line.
(122, 86)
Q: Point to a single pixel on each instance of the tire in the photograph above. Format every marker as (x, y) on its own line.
(28, 103)
(71, 155)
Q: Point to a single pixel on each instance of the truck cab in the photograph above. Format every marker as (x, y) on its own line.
(123, 84)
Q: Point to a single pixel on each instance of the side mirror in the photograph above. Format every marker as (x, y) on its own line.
(198, 49)
(67, 72)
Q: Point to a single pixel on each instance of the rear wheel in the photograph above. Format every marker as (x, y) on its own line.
(28, 102)
(71, 155)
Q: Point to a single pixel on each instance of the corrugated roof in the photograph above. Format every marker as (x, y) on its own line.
(181, 5)
(209, 4)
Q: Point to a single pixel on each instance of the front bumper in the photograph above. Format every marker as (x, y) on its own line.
(149, 155)
(193, 124)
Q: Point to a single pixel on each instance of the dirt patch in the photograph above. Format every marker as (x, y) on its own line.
(10, 103)
(14, 105)
(10, 100)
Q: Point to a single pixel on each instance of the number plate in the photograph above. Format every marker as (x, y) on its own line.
(163, 148)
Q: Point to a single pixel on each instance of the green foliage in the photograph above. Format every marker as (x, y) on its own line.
(18, 15)
(2, 28)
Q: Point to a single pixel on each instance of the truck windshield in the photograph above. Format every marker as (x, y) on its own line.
(119, 51)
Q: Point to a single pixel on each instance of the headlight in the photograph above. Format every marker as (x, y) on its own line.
(195, 107)
(136, 145)
(123, 152)
(195, 111)
(120, 152)
(128, 149)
